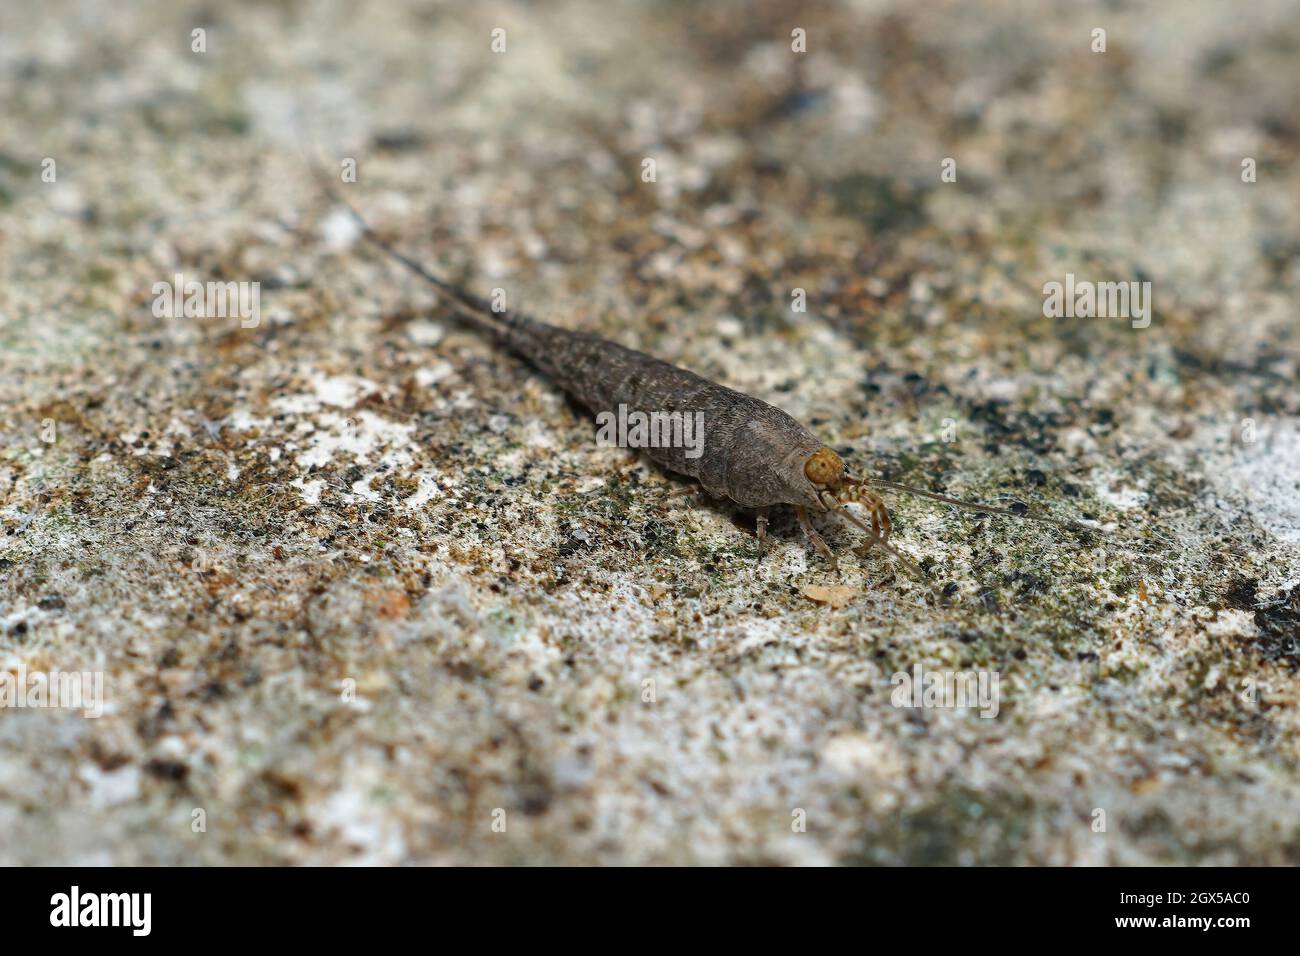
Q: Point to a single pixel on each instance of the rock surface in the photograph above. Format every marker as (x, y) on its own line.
(363, 589)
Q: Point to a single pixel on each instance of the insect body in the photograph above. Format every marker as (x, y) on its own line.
(753, 453)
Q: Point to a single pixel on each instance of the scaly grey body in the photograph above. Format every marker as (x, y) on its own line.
(749, 447)
(753, 453)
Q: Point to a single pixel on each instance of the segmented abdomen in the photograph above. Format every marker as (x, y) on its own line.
(603, 375)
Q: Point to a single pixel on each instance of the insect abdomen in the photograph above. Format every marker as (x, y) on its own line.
(603, 376)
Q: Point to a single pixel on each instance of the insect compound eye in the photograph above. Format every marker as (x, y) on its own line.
(824, 468)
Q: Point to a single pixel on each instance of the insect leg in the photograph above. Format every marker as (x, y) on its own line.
(833, 505)
(815, 538)
(881, 536)
(881, 523)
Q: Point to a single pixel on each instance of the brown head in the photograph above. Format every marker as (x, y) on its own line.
(835, 488)
(825, 469)
(834, 485)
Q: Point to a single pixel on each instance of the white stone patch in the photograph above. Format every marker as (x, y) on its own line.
(729, 326)
(1232, 623)
(425, 493)
(756, 635)
(243, 420)
(67, 199)
(1265, 477)
(855, 756)
(111, 788)
(361, 821)
(1001, 389)
(431, 375)
(1117, 492)
(311, 489)
(271, 109)
(825, 335)
(536, 435)
(340, 230)
(1077, 441)
(427, 334)
(465, 400)
(361, 435)
(854, 105)
(339, 391)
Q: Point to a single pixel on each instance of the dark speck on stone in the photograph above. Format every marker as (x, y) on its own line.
(167, 769)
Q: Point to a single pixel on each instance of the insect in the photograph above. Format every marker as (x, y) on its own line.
(753, 453)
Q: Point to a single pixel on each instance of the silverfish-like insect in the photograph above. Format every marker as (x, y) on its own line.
(753, 453)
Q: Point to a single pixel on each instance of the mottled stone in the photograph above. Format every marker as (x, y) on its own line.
(357, 581)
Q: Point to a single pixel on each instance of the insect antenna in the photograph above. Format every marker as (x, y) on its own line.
(977, 506)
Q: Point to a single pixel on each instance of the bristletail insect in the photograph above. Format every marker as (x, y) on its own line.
(753, 453)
